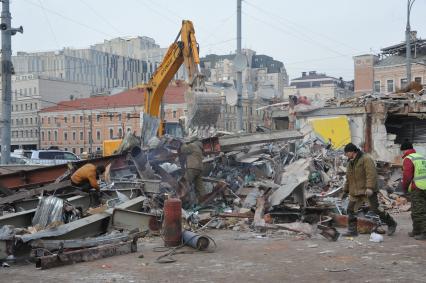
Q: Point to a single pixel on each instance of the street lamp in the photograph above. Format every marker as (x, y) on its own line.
(408, 40)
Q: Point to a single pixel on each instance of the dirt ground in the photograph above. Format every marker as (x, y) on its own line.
(251, 257)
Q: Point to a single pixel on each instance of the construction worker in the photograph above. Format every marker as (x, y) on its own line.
(194, 164)
(414, 182)
(361, 185)
(86, 177)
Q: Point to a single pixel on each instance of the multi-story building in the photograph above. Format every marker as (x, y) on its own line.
(81, 125)
(30, 93)
(386, 72)
(263, 77)
(318, 86)
(102, 71)
(227, 121)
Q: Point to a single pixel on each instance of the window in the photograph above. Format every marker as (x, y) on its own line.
(418, 80)
(389, 84)
(73, 136)
(56, 135)
(35, 105)
(69, 156)
(174, 114)
(403, 83)
(81, 119)
(48, 120)
(98, 135)
(73, 119)
(119, 117)
(26, 121)
(129, 129)
(48, 136)
(111, 133)
(81, 150)
(42, 120)
(65, 119)
(81, 136)
(110, 117)
(98, 118)
(73, 150)
(120, 133)
(65, 136)
(128, 116)
(42, 135)
(26, 134)
(377, 86)
(31, 121)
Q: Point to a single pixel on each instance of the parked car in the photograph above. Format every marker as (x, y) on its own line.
(52, 157)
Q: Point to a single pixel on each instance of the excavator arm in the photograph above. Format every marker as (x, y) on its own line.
(204, 107)
(183, 51)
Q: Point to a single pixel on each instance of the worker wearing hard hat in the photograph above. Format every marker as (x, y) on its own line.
(193, 150)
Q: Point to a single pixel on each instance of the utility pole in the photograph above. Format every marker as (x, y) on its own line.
(408, 41)
(91, 133)
(6, 73)
(239, 72)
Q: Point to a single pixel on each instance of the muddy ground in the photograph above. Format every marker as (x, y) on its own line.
(251, 257)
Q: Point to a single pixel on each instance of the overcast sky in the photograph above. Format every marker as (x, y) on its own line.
(304, 34)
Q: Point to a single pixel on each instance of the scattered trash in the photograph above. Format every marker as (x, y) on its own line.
(376, 238)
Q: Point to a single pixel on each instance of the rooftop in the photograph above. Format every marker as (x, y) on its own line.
(175, 94)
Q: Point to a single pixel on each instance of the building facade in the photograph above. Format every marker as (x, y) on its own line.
(102, 71)
(319, 86)
(81, 125)
(386, 73)
(31, 93)
(263, 77)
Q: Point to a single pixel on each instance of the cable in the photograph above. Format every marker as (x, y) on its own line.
(68, 19)
(50, 25)
(293, 34)
(100, 16)
(299, 30)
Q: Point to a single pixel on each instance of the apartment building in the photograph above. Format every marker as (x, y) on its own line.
(30, 93)
(386, 72)
(319, 86)
(81, 125)
(263, 77)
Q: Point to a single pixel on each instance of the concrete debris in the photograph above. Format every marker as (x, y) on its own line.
(272, 182)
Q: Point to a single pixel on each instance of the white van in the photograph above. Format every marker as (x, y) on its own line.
(52, 157)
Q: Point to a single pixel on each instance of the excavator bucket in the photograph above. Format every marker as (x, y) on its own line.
(203, 108)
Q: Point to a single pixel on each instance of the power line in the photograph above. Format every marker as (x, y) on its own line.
(99, 16)
(50, 25)
(293, 34)
(68, 18)
(302, 28)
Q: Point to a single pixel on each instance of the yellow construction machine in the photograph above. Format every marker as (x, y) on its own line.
(203, 107)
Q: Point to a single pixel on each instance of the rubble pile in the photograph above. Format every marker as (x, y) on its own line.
(251, 183)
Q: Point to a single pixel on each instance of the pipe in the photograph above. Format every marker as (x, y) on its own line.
(195, 241)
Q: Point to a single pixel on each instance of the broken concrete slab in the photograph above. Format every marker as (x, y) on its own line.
(294, 176)
(228, 142)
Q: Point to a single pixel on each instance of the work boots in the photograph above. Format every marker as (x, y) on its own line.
(392, 228)
(420, 237)
(413, 233)
(352, 227)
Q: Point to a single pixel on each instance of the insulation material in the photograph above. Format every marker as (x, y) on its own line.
(49, 211)
(332, 129)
